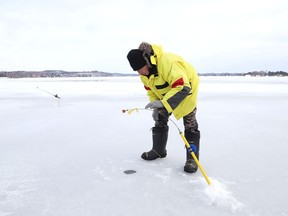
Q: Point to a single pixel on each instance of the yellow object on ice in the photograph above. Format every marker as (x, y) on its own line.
(195, 159)
(130, 111)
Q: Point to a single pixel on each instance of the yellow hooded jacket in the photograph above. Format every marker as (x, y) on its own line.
(175, 83)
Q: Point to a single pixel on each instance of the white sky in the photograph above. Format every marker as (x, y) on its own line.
(78, 35)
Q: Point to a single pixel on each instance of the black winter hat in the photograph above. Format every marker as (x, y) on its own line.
(136, 59)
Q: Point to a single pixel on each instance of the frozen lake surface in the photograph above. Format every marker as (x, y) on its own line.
(67, 157)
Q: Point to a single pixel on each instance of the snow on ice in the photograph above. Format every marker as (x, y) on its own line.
(67, 157)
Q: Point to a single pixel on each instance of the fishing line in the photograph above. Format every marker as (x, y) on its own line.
(130, 111)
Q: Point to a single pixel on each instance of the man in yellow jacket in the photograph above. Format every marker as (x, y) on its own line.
(172, 86)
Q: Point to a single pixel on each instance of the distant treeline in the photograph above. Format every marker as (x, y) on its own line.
(57, 73)
(253, 74)
(60, 73)
(268, 73)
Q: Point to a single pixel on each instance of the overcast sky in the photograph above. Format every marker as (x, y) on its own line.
(81, 35)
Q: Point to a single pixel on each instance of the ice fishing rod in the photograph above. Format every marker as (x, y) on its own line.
(130, 111)
(55, 95)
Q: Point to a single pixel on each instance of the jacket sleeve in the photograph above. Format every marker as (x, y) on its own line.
(180, 87)
(152, 96)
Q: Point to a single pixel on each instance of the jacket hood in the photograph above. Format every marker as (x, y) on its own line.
(157, 53)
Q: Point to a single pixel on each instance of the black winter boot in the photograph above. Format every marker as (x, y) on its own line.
(193, 138)
(159, 136)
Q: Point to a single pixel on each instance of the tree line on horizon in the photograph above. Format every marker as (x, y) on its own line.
(253, 74)
(60, 73)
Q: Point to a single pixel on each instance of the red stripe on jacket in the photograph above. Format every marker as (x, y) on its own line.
(179, 82)
(147, 88)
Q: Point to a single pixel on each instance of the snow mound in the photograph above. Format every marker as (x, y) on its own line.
(219, 195)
